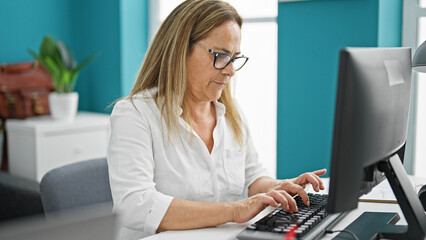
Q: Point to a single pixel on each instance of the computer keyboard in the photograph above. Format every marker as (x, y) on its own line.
(308, 223)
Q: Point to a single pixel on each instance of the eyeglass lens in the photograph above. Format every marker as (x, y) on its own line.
(223, 59)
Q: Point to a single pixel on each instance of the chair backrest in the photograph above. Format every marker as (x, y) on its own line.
(77, 185)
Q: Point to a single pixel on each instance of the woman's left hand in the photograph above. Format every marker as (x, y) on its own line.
(296, 185)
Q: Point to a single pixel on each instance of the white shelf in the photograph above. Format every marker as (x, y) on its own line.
(37, 145)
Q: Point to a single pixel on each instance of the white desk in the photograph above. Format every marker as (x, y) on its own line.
(230, 230)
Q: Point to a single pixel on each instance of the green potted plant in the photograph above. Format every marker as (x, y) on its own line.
(60, 63)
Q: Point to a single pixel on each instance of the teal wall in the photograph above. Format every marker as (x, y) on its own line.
(25, 22)
(134, 40)
(115, 29)
(390, 23)
(310, 35)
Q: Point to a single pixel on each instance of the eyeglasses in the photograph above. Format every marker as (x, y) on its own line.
(222, 60)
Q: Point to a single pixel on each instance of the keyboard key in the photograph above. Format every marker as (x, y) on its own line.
(252, 227)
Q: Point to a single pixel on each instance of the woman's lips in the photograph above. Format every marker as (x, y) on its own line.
(220, 83)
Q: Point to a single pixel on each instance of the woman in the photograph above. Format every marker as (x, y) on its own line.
(180, 154)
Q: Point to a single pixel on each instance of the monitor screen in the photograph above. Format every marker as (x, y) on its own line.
(371, 120)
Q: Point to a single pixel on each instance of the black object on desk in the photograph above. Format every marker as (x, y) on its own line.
(385, 221)
(422, 196)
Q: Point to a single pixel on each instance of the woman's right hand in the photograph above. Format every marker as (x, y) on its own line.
(246, 209)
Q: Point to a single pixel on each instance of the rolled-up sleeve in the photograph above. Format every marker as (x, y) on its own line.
(131, 171)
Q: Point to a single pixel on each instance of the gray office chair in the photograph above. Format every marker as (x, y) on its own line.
(78, 185)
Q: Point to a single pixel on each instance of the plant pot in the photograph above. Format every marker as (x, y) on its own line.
(63, 106)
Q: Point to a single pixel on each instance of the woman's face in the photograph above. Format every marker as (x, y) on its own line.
(205, 83)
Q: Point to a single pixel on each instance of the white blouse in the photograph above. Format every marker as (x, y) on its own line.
(147, 171)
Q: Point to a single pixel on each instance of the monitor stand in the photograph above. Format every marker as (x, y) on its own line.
(381, 225)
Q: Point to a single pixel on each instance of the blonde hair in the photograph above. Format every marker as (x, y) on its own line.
(164, 65)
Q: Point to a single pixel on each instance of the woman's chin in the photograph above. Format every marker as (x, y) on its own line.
(216, 95)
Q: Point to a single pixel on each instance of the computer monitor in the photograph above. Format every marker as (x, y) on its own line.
(370, 133)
